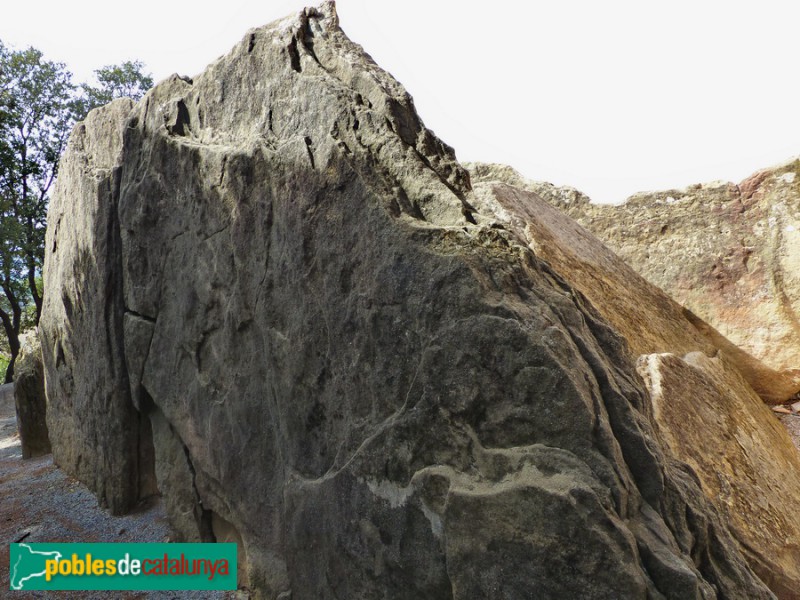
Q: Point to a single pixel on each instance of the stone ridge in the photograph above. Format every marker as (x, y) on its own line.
(701, 385)
(274, 297)
(737, 250)
(717, 249)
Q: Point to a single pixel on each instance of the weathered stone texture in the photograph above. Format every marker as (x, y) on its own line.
(727, 252)
(648, 319)
(376, 389)
(29, 398)
(750, 467)
(720, 427)
(93, 425)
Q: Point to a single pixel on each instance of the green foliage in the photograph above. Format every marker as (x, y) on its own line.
(36, 115)
(126, 80)
(39, 104)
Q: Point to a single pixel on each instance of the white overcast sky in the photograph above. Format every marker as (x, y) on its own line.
(611, 97)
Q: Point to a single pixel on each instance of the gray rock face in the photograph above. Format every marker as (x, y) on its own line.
(297, 324)
(29, 398)
(94, 427)
(702, 394)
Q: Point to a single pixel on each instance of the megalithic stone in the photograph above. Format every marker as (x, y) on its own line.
(270, 291)
(29, 398)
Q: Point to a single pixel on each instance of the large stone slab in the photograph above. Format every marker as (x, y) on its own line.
(92, 422)
(749, 466)
(300, 325)
(29, 398)
(728, 252)
(710, 414)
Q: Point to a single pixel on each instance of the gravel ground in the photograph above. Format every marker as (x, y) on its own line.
(40, 503)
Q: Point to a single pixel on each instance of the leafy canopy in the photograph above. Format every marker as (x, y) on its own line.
(39, 104)
(126, 80)
(37, 113)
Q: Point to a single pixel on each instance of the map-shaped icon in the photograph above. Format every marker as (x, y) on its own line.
(29, 564)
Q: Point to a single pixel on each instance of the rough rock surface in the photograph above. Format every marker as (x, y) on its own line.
(40, 504)
(728, 252)
(628, 301)
(752, 453)
(750, 446)
(94, 427)
(29, 398)
(298, 323)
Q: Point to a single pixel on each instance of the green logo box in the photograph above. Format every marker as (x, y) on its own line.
(132, 567)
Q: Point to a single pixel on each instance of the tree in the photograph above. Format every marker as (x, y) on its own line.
(36, 115)
(126, 80)
(39, 104)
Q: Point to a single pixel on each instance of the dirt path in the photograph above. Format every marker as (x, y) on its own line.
(39, 503)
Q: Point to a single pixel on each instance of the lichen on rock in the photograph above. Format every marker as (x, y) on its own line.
(303, 327)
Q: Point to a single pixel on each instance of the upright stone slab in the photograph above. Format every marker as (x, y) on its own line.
(375, 389)
(29, 398)
(94, 427)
